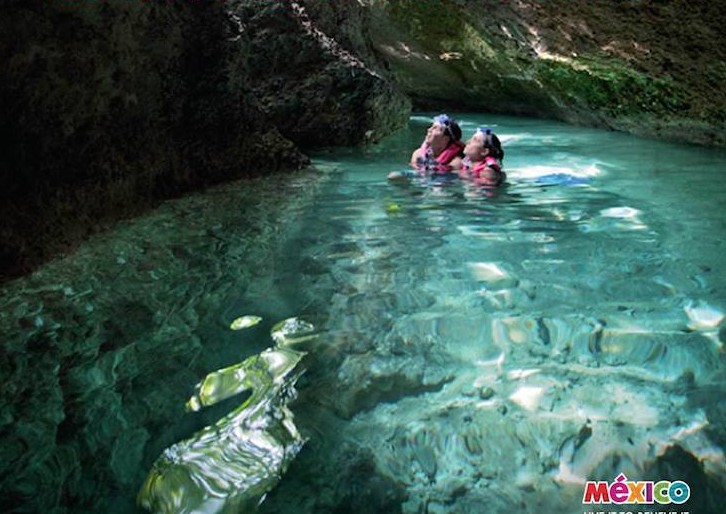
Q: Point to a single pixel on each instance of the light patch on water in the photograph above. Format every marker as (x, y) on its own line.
(503, 233)
(702, 315)
(508, 139)
(518, 374)
(615, 220)
(540, 264)
(496, 363)
(482, 232)
(528, 137)
(422, 119)
(487, 272)
(540, 171)
(620, 212)
(528, 397)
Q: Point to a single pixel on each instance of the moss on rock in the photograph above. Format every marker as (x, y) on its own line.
(635, 66)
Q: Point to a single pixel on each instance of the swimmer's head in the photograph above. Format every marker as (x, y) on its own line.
(450, 126)
(490, 141)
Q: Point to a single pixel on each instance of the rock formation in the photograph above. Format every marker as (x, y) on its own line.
(110, 107)
(649, 68)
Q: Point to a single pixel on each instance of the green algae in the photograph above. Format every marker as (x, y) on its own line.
(611, 87)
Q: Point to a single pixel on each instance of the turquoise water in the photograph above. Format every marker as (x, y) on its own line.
(477, 351)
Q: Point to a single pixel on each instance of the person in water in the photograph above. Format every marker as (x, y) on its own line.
(441, 151)
(483, 155)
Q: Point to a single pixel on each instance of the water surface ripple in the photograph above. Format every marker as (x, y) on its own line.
(477, 351)
(492, 351)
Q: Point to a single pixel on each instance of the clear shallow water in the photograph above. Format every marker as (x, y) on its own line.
(494, 351)
(478, 352)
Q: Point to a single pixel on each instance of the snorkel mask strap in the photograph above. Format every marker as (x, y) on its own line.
(488, 142)
(445, 120)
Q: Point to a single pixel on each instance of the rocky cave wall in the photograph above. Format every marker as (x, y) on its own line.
(316, 75)
(110, 107)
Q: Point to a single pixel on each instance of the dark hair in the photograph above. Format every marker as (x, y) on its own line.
(491, 141)
(451, 128)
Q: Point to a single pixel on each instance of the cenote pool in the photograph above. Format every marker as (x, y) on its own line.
(447, 350)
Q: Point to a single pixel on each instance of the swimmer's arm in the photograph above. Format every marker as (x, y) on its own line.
(415, 156)
(456, 163)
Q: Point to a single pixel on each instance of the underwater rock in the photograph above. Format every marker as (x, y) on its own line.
(703, 316)
(233, 463)
(677, 463)
(486, 392)
(366, 380)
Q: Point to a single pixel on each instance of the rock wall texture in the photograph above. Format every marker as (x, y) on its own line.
(651, 68)
(314, 74)
(109, 107)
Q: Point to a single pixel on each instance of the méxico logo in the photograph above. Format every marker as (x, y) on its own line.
(623, 490)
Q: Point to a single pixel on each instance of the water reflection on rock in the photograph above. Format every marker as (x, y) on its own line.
(233, 463)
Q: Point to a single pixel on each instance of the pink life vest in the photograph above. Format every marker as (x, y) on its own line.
(440, 163)
(488, 162)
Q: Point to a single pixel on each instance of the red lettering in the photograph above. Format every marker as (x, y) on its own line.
(596, 492)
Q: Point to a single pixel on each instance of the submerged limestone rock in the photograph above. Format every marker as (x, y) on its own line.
(233, 463)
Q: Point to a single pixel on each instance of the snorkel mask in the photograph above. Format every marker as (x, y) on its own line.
(451, 128)
(443, 119)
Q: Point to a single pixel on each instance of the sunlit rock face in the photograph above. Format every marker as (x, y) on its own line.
(314, 75)
(611, 64)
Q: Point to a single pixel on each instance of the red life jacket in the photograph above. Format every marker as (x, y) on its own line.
(440, 163)
(478, 167)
